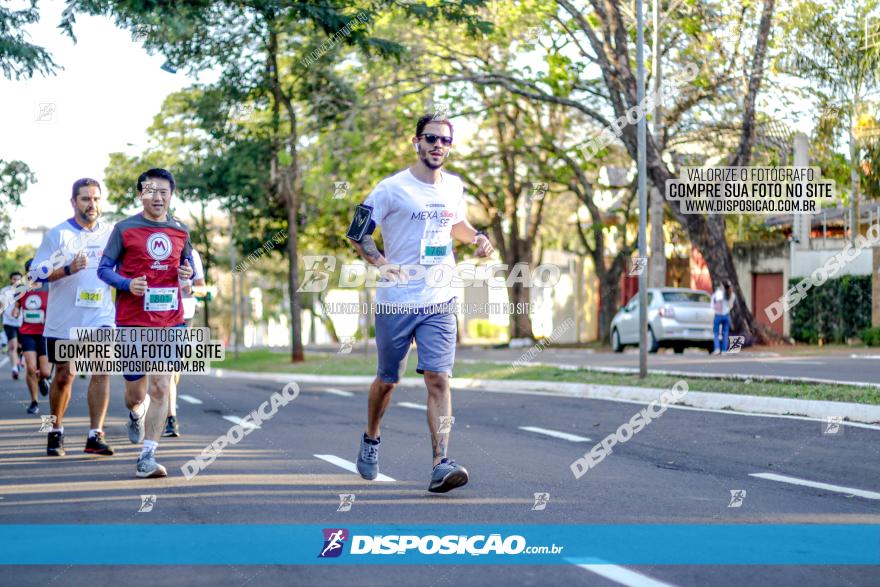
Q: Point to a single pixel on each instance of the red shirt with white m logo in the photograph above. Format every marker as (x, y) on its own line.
(156, 250)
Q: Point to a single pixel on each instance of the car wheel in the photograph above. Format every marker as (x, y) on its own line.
(653, 345)
(615, 342)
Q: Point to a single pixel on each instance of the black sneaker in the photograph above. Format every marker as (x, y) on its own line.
(34, 408)
(95, 445)
(55, 448)
(172, 428)
(43, 384)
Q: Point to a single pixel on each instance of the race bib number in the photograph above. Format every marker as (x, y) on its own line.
(89, 298)
(160, 299)
(34, 317)
(433, 251)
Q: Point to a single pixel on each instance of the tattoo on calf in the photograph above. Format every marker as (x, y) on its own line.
(439, 446)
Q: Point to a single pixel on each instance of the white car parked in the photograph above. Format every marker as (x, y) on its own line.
(677, 318)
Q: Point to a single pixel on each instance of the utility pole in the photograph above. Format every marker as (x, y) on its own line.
(642, 130)
(657, 265)
(234, 307)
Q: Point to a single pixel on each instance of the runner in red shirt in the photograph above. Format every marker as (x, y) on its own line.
(148, 259)
(32, 309)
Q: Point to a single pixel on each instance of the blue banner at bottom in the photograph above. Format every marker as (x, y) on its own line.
(276, 544)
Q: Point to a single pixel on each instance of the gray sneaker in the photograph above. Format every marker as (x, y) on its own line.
(148, 468)
(368, 458)
(136, 428)
(447, 475)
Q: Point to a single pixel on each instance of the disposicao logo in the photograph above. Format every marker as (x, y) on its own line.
(334, 539)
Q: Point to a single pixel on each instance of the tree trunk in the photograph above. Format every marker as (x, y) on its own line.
(287, 186)
(609, 290)
(854, 181)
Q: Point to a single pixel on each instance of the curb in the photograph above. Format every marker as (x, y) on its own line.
(735, 403)
(673, 372)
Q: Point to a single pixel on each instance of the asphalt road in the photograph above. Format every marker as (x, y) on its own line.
(846, 367)
(680, 469)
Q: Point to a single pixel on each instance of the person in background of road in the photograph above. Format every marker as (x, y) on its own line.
(148, 259)
(722, 302)
(31, 308)
(172, 424)
(11, 324)
(68, 260)
(420, 210)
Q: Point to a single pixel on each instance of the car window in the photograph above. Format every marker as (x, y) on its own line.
(633, 303)
(686, 296)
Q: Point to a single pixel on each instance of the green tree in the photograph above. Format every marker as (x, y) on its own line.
(15, 177)
(825, 45)
(265, 51)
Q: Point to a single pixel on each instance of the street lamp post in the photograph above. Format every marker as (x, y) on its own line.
(643, 187)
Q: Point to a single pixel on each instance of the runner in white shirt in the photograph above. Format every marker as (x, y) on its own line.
(11, 323)
(68, 259)
(420, 210)
(172, 424)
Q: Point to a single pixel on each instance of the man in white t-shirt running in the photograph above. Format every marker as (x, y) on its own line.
(11, 322)
(420, 210)
(68, 259)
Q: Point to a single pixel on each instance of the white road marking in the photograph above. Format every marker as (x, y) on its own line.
(817, 485)
(349, 466)
(864, 356)
(240, 422)
(188, 398)
(555, 434)
(338, 392)
(623, 576)
(413, 406)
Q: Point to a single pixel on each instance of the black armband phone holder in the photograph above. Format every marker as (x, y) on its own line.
(362, 224)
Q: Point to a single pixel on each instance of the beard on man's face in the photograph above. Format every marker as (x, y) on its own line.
(428, 160)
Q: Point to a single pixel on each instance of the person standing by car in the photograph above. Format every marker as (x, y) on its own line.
(722, 302)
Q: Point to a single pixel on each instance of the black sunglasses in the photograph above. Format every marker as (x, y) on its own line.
(432, 139)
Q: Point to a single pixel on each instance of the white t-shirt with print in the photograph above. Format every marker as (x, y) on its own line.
(80, 300)
(416, 219)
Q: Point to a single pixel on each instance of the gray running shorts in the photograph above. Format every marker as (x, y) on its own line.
(434, 329)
